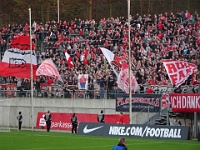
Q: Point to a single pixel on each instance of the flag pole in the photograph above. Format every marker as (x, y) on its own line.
(58, 3)
(129, 58)
(31, 70)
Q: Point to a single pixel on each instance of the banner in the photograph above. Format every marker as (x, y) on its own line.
(140, 102)
(16, 60)
(48, 68)
(179, 71)
(185, 102)
(83, 81)
(123, 80)
(135, 131)
(166, 89)
(61, 121)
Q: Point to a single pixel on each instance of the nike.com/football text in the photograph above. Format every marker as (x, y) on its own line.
(145, 132)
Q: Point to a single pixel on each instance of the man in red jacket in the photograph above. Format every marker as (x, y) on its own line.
(149, 90)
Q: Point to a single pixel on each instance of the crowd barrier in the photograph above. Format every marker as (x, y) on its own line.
(11, 90)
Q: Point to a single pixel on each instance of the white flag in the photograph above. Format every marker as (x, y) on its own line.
(113, 61)
(48, 68)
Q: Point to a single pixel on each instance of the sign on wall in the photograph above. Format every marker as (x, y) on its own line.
(135, 130)
(61, 121)
(140, 102)
(181, 102)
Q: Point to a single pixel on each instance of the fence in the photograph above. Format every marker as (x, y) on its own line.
(11, 90)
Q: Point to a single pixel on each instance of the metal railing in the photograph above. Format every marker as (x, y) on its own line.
(86, 94)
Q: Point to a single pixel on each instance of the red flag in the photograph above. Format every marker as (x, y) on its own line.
(179, 71)
(69, 60)
(48, 68)
(16, 60)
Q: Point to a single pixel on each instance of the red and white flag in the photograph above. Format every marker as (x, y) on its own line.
(123, 80)
(165, 100)
(121, 71)
(48, 68)
(16, 60)
(179, 71)
(114, 62)
(69, 60)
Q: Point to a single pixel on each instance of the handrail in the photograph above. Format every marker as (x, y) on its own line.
(139, 113)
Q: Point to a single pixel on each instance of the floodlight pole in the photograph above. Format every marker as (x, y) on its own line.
(31, 70)
(129, 58)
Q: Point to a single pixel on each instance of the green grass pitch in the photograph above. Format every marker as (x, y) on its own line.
(39, 140)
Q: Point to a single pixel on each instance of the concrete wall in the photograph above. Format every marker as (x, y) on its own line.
(92, 106)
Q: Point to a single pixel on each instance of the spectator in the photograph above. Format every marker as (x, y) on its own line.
(102, 86)
(149, 90)
(178, 90)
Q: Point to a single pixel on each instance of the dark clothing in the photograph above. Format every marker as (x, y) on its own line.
(177, 90)
(48, 119)
(74, 121)
(120, 147)
(37, 87)
(90, 91)
(19, 118)
(20, 125)
(100, 118)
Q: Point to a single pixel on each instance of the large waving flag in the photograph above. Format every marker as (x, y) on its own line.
(49, 69)
(179, 71)
(123, 79)
(113, 61)
(69, 60)
(17, 60)
(121, 71)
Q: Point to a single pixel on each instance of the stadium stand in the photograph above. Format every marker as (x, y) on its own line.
(153, 38)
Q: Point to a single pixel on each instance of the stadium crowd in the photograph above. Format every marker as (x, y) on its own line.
(153, 38)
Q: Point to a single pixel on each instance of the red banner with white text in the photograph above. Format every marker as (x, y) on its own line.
(185, 102)
(61, 121)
